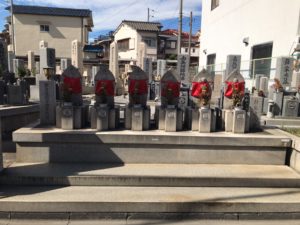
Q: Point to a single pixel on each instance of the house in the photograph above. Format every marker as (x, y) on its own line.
(168, 47)
(130, 34)
(57, 26)
(103, 42)
(254, 29)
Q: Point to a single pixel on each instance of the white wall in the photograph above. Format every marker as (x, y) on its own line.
(224, 28)
(124, 32)
(63, 30)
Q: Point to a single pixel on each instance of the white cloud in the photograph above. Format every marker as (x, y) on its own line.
(108, 14)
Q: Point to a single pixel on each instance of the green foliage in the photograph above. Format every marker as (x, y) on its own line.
(21, 72)
(293, 131)
(173, 57)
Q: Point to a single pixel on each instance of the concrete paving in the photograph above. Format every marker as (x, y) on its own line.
(210, 175)
(148, 199)
(150, 222)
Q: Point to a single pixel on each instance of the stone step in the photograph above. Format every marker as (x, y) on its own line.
(175, 175)
(36, 144)
(148, 199)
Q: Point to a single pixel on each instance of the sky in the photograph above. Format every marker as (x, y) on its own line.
(108, 14)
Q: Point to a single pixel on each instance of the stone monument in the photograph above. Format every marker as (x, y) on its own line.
(233, 63)
(70, 114)
(114, 66)
(284, 70)
(104, 114)
(170, 116)
(235, 118)
(137, 113)
(183, 65)
(76, 55)
(203, 119)
(31, 61)
(64, 64)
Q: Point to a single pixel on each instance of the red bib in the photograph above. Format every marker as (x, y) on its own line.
(238, 86)
(108, 85)
(73, 84)
(138, 87)
(174, 86)
(198, 87)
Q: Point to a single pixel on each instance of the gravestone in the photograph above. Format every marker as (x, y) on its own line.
(64, 64)
(170, 115)
(10, 57)
(233, 63)
(37, 67)
(290, 106)
(256, 108)
(31, 61)
(278, 103)
(47, 60)
(147, 67)
(257, 81)
(95, 70)
(284, 70)
(296, 80)
(2, 91)
(114, 66)
(3, 56)
(76, 55)
(161, 68)
(47, 102)
(142, 53)
(183, 64)
(17, 65)
(137, 113)
(264, 85)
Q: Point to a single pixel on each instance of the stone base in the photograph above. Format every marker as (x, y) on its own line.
(70, 117)
(205, 120)
(104, 118)
(228, 119)
(34, 93)
(239, 121)
(170, 119)
(137, 118)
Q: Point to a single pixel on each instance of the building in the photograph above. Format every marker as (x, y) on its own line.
(57, 26)
(130, 34)
(168, 47)
(253, 29)
(104, 41)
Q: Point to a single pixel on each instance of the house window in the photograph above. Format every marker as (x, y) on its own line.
(123, 45)
(171, 44)
(151, 42)
(194, 50)
(44, 28)
(186, 50)
(214, 4)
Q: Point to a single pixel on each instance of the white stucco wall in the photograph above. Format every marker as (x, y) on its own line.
(263, 21)
(63, 30)
(125, 32)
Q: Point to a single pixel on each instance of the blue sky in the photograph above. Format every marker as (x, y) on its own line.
(108, 15)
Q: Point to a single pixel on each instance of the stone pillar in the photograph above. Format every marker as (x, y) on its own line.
(161, 67)
(64, 64)
(147, 67)
(233, 62)
(264, 85)
(77, 55)
(10, 57)
(228, 120)
(205, 119)
(278, 102)
(142, 53)
(171, 120)
(296, 80)
(47, 102)
(67, 117)
(47, 59)
(43, 44)
(31, 60)
(183, 65)
(114, 66)
(239, 121)
(1, 158)
(17, 64)
(102, 122)
(137, 118)
(284, 70)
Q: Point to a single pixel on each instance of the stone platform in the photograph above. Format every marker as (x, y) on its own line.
(281, 122)
(51, 145)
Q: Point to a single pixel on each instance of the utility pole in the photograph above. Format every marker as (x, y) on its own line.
(148, 15)
(191, 30)
(12, 25)
(180, 27)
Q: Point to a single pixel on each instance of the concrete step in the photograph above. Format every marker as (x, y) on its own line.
(44, 145)
(148, 199)
(176, 175)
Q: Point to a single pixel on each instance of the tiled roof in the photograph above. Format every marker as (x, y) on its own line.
(143, 26)
(51, 11)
